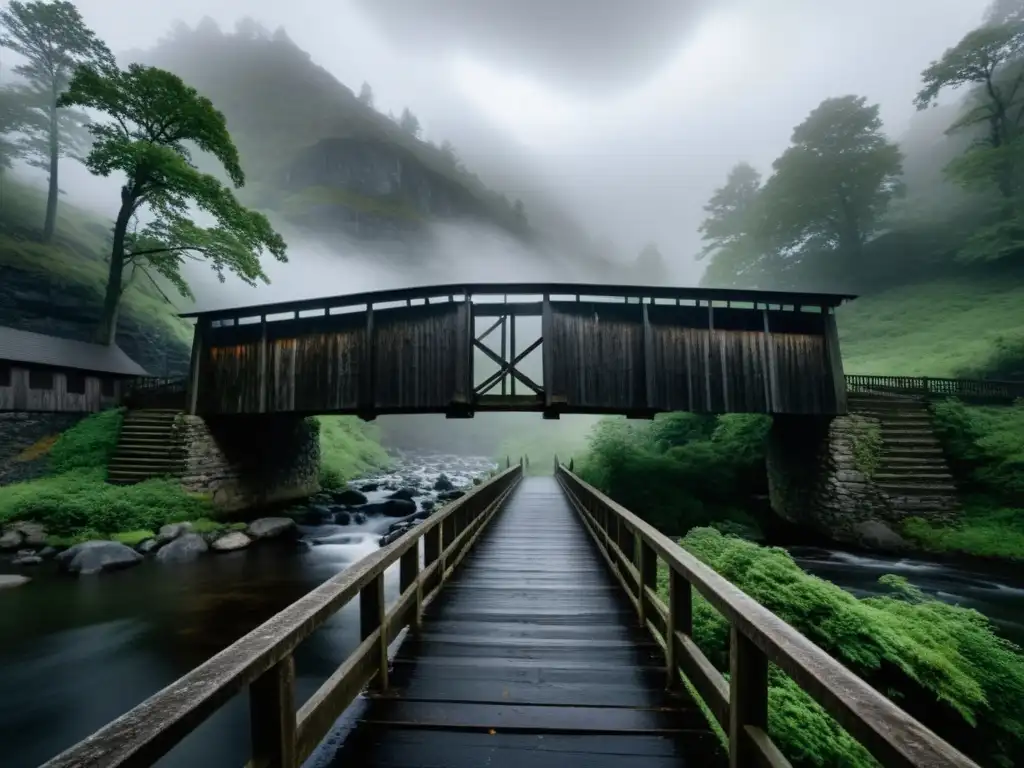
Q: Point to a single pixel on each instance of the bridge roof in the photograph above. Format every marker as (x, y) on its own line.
(521, 289)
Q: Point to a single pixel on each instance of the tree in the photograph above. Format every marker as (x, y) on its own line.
(366, 95)
(16, 116)
(54, 40)
(731, 230)
(830, 189)
(650, 265)
(409, 123)
(448, 151)
(152, 114)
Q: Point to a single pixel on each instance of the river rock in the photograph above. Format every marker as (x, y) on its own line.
(443, 483)
(875, 534)
(272, 528)
(91, 557)
(369, 487)
(359, 518)
(32, 534)
(12, 580)
(390, 508)
(11, 539)
(428, 505)
(146, 546)
(451, 495)
(184, 549)
(172, 531)
(47, 552)
(342, 518)
(229, 542)
(349, 496)
(29, 559)
(404, 494)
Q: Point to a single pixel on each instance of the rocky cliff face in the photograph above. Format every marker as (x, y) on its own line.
(369, 188)
(45, 303)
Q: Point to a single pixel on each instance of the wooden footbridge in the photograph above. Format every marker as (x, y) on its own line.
(530, 629)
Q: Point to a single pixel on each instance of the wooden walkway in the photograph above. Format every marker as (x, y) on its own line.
(531, 657)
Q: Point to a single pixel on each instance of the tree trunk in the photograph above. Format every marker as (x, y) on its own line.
(50, 225)
(107, 331)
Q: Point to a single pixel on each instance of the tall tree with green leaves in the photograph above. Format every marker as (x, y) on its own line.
(152, 115)
(731, 231)
(54, 40)
(833, 185)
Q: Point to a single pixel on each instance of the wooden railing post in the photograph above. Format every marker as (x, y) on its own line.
(431, 553)
(748, 698)
(648, 567)
(272, 716)
(408, 575)
(680, 619)
(372, 608)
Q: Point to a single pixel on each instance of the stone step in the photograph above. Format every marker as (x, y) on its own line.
(131, 451)
(918, 489)
(144, 442)
(914, 475)
(911, 441)
(145, 426)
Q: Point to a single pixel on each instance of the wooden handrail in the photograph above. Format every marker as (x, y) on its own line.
(758, 637)
(263, 659)
(930, 386)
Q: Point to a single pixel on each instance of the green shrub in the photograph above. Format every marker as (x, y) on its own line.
(681, 469)
(89, 444)
(80, 500)
(349, 447)
(943, 664)
(867, 444)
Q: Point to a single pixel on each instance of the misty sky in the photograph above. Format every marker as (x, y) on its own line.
(629, 121)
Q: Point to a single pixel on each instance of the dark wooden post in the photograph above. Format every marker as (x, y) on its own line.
(371, 617)
(648, 567)
(680, 619)
(834, 360)
(408, 576)
(264, 384)
(748, 698)
(199, 335)
(272, 716)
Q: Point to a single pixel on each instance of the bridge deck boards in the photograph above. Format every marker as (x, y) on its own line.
(530, 657)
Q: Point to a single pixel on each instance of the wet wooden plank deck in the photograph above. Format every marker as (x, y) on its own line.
(530, 656)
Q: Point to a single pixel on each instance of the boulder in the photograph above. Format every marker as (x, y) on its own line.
(172, 531)
(443, 483)
(390, 508)
(369, 487)
(33, 534)
(451, 495)
(874, 534)
(27, 560)
(47, 552)
(427, 505)
(184, 549)
(229, 542)
(272, 528)
(359, 518)
(91, 557)
(342, 518)
(146, 546)
(404, 494)
(12, 580)
(11, 539)
(349, 496)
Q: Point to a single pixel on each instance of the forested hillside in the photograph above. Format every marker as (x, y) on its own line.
(928, 228)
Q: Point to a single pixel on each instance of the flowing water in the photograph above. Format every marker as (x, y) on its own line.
(76, 653)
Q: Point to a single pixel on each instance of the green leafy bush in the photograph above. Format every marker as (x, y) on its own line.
(681, 469)
(943, 664)
(80, 500)
(349, 448)
(89, 444)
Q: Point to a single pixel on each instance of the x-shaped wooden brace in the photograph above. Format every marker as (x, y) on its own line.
(505, 367)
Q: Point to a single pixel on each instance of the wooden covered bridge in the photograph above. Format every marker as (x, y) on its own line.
(631, 350)
(537, 623)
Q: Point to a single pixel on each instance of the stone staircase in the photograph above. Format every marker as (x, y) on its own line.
(147, 447)
(913, 470)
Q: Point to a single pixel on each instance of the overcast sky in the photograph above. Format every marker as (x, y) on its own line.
(630, 113)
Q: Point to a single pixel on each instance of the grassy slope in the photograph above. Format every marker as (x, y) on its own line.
(348, 448)
(943, 328)
(76, 257)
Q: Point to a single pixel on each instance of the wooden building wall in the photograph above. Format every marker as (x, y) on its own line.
(20, 395)
(398, 360)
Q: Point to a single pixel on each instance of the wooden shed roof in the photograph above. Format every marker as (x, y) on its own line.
(40, 349)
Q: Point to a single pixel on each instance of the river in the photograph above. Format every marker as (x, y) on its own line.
(76, 653)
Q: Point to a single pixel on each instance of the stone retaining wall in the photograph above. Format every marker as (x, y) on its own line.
(249, 461)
